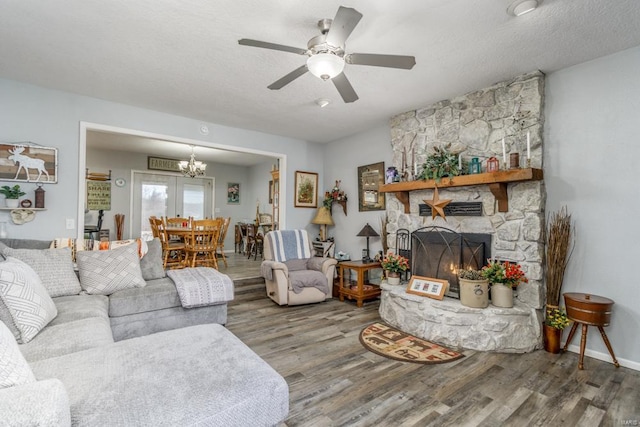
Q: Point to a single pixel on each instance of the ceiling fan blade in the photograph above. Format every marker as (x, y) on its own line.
(344, 88)
(279, 84)
(343, 24)
(266, 45)
(391, 61)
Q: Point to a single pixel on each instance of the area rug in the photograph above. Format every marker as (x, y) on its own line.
(395, 344)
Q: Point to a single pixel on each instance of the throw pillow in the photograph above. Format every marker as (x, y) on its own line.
(105, 272)
(54, 266)
(25, 304)
(151, 263)
(14, 369)
(296, 264)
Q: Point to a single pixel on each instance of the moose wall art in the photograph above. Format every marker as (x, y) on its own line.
(28, 163)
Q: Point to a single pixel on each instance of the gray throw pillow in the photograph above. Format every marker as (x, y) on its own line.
(54, 266)
(105, 272)
(14, 369)
(151, 263)
(296, 264)
(25, 304)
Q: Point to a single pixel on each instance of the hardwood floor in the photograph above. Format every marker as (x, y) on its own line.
(334, 381)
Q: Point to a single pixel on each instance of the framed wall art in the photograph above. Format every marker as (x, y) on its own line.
(370, 177)
(28, 163)
(306, 190)
(427, 287)
(233, 193)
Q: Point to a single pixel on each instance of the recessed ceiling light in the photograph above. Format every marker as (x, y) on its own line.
(323, 102)
(520, 7)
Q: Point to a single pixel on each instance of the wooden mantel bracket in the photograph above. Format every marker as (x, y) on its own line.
(499, 190)
(497, 182)
(403, 197)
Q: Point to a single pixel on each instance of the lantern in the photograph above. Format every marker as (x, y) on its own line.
(475, 166)
(493, 165)
(39, 197)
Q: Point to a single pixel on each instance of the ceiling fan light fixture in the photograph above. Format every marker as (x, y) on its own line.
(325, 65)
(520, 7)
(323, 102)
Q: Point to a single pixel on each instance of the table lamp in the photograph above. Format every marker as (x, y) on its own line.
(367, 231)
(323, 218)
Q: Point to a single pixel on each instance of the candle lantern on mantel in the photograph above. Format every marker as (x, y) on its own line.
(475, 166)
(493, 165)
(39, 197)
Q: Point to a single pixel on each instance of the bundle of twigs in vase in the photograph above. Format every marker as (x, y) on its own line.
(119, 218)
(558, 253)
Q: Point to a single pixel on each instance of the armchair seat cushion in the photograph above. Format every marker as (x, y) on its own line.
(301, 279)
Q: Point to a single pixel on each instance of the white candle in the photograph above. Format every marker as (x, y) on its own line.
(504, 152)
(528, 145)
(460, 162)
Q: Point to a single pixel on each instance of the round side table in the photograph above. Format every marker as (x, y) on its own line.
(587, 310)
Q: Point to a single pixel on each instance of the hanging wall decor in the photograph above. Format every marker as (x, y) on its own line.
(29, 163)
(306, 195)
(233, 193)
(370, 177)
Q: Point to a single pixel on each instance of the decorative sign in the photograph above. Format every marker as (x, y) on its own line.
(98, 195)
(370, 177)
(29, 163)
(455, 209)
(162, 164)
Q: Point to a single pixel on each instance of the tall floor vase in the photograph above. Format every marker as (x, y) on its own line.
(501, 295)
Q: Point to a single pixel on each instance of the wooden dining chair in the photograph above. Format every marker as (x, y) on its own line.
(255, 242)
(173, 251)
(154, 228)
(223, 235)
(201, 243)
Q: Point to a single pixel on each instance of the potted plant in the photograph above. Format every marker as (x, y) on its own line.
(503, 276)
(12, 194)
(474, 288)
(555, 321)
(393, 265)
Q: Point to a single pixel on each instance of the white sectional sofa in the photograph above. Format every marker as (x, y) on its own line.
(135, 358)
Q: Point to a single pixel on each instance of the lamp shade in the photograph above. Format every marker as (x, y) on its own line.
(367, 231)
(325, 65)
(323, 217)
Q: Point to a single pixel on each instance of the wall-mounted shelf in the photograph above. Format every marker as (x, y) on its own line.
(20, 222)
(342, 203)
(497, 182)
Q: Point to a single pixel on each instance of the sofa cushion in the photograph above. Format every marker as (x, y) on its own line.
(25, 304)
(105, 272)
(296, 264)
(77, 307)
(151, 263)
(14, 370)
(200, 375)
(69, 337)
(54, 266)
(156, 295)
(25, 243)
(41, 403)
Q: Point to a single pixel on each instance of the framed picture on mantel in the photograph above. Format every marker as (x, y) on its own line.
(370, 177)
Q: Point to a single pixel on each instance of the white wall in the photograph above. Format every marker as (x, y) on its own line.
(341, 160)
(592, 151)
(52, 118)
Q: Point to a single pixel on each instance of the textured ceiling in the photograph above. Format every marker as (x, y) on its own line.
(182, 57)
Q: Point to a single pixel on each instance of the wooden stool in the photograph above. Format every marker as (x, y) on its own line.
(588, 310)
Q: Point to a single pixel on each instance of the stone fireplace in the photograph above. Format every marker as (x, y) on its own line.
(474, 125)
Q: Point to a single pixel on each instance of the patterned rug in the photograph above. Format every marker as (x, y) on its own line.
(395, 344)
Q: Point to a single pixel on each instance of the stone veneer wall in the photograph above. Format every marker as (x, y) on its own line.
(474, 125)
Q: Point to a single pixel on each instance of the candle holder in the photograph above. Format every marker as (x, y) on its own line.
(528, 163)
(514, 161)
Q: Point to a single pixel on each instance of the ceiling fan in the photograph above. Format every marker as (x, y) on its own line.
(327, 57)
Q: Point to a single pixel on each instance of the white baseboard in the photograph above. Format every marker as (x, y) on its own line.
(606, 357)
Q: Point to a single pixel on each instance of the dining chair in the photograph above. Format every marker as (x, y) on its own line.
(154, 228)
(255, 242)
(223, 235)
(173, 251)
(201, 242)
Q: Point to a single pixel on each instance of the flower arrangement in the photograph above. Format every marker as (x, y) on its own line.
(394, 263)
(556, 318)
(505, 272)
(440, 164)
(335, 195)
(470, 274)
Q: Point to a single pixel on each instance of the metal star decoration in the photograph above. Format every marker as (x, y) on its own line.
(437, 205)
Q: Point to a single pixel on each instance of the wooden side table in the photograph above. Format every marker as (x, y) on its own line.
(588, 310)
(362, 290)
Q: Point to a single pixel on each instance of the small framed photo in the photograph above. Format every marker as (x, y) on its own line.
(306, 190)
(233, 193)
(427, 287)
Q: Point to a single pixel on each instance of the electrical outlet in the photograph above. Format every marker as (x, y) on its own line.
(70, 224)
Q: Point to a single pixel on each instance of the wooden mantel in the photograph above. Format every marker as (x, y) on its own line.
(497, 182)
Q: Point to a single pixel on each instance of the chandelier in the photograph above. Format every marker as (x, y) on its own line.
(192, 168)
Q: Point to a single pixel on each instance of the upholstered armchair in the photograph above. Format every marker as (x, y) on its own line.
(292, 275)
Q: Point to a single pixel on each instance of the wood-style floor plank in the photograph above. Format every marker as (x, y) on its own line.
(334, 381)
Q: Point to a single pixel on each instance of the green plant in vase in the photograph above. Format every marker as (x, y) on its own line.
(504, 276)
(442, 163)
(12, 194)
